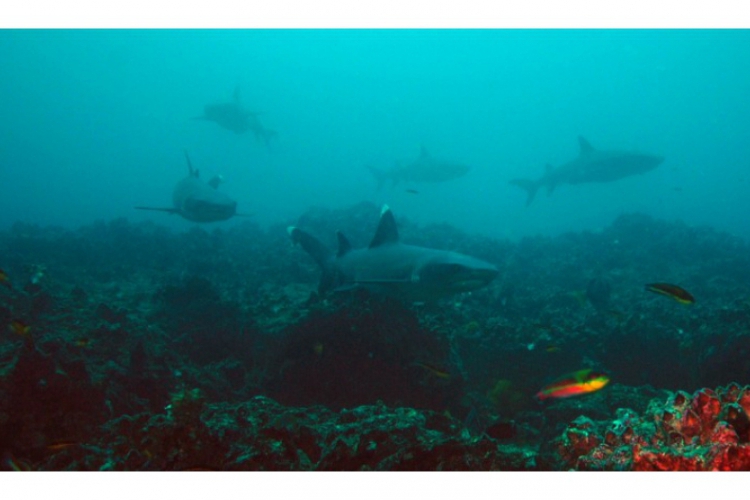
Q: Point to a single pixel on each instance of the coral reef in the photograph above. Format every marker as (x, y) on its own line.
(706, 431)
(213, 349)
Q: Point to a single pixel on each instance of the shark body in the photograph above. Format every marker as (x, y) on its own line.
(424, 169)
(591, 165)
(198, 201)
(407, 272)
(233, 116)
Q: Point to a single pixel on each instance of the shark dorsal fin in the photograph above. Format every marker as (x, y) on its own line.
(344, 245)
(423, 153)
(585, 145)
(193, 172)
(387, 233)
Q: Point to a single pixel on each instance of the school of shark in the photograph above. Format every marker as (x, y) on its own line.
(388, 266)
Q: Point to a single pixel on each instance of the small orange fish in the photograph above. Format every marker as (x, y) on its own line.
(318, 348)
(20, 328)
(82, 342)
(574, 384)
(434, 370)
(4, 279)
(60, 445)
(673, 291)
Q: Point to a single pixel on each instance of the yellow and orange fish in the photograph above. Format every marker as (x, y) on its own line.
(574, 384)
(673, 291)
(20, 328)
(82, 342)
(4, 279)
(434, 370)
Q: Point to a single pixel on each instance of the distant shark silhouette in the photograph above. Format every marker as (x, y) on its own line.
(424, 169)
(198, 201)
(233, 116)
(592, 165)
(387, 266)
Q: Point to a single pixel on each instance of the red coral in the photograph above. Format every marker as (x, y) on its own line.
(708, 430)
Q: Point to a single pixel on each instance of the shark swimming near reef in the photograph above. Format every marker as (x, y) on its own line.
(233, 116)
(387, 266)
(591, 165)
(198, 201)
(424, 169)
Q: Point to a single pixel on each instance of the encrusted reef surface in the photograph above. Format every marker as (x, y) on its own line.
(705, 431)
(130, 347)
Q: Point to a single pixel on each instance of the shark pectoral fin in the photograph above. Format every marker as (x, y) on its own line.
(159, 209)
(585, 145)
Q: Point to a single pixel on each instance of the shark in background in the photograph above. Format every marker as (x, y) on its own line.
(199, 201)
(233, 116)
(591, 165)
(424, 169)
(387, 266)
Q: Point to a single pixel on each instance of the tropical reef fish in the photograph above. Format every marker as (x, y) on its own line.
(387, 266)
(233, 116)
(4, 279)
(574, 384)
(673, 291)
(20, 328)
(591, 165)
(197, 201)
(424, 169)
(434, 370)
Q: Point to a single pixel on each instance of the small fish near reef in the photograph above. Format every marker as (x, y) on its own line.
(672, 291)
(4, 279)
(574, 384)
(20, 328)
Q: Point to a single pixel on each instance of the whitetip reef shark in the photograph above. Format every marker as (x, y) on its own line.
(591, 165)
(198, 201)
(387, 266)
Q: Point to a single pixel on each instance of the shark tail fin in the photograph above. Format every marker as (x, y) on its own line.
(380, 175)
(531, 188)
(318, 252)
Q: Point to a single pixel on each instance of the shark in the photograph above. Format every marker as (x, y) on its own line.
(591, 165)
(233, 116)
(424, 169)
(199, 201)
(389, 267)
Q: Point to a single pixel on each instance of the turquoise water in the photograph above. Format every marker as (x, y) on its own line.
(95, 122)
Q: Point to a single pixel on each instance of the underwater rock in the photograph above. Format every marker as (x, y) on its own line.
(263, 435)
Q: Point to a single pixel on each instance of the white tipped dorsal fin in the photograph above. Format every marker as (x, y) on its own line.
(387, 233)
(585, 145)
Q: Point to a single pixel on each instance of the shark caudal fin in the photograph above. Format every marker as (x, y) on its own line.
(530, 186)
(318, 252)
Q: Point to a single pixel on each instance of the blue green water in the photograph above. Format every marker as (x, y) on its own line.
(94, 122)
